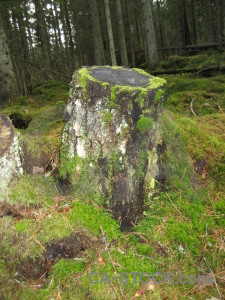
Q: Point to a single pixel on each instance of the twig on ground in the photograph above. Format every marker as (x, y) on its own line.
(214, 278)
(219, 107)
(173, 204)
(191, 108)
(113, 265)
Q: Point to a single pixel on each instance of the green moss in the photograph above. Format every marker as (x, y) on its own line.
(91, 217)
(54, 228)
(158, 95)
(143, 249)
(23, 225)
(83, 76)
(204, 92)
(31, 190)
(142, 160)
(113, 96)
(154, 83)
(202, 143)
(115, 162)
(202, 60)
(66, 268)
(145, 124)
(81, 174)
(107, 118)
(141, 99)
(142, 72)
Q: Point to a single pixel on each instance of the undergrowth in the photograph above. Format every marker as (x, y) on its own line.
(181, 229)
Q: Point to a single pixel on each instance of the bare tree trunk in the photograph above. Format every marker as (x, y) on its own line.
(185, 33)
(193, 22)
(104, 31)
(65, 33)
(74, 10)
(42, 33)
(26, 76)
(72, 52)
(209, 21)
(96, 33)
(160, 25)
(61, 48)
(8, 86)
(131, 41)
(222, 24)
(122, 41)
(152, 54)
(110, 32)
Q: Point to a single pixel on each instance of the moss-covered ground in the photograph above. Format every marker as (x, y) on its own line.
(49, 249)
(44, 114)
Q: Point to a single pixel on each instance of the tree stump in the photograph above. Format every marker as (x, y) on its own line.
(111, 137)
(10, 163)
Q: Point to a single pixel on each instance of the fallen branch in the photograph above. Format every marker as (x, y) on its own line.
(47, 70)
(174, 205)
(113, 265)
(191, 70)
(219, 107)
(43, 69)
(214, 278)
(191, 107)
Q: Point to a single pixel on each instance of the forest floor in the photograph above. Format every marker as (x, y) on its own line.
(50, 242)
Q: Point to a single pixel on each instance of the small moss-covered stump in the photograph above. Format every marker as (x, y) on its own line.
(10, 162)
(111, 136)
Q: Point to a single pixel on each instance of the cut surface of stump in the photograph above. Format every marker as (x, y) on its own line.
(111, 137)
(10, 164)
(124, 77)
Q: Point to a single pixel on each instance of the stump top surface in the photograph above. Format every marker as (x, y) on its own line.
(121, 76)
(7, 133)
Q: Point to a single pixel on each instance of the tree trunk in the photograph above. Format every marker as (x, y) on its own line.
(222, 23)
(65, 33)
(122, 42)
(162, 45)
(42, 34)
(130, 33)
(185, 33)
(193, 22)
(152, 54)
(96, 33)
(61, 48)
(26, 76)
(209, 21)
(68, 24)
(110, 32)
(8, 86)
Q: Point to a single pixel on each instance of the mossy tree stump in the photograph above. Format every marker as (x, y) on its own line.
(10, 160)
(111, 136)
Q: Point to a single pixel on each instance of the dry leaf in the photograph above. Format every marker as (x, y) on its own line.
(137, 294)
(101, 261)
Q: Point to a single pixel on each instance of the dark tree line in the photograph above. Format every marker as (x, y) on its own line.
(51, 38)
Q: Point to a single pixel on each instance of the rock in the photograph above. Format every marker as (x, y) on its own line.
(10, 154)
(111, 136)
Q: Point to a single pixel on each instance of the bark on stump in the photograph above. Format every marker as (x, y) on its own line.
(10, 163)
(111, 136)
